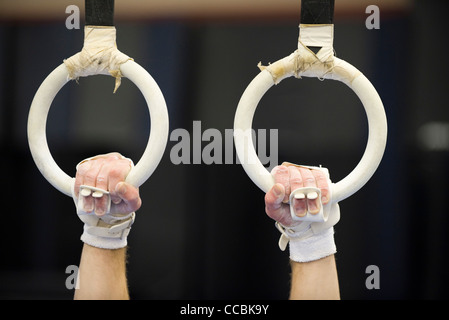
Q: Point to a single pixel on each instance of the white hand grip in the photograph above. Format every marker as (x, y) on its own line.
(40, 106)
(308, 193)
(97, 193)
(341, 71)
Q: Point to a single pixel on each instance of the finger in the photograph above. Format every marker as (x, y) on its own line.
(117, 174)
(299, 201)
(281, 175)
(274, 206)
(100, 201)
(295, 177)
(273, 200)
(90, 179)
(90, 175)
(79, 177)
(323, 184)
(313, 205)
(129, 195)
(299, 206)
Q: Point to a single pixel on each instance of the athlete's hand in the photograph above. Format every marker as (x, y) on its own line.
(287, 178)
(107, 172)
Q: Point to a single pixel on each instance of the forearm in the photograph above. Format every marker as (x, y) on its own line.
(102, 274)
(315, 280)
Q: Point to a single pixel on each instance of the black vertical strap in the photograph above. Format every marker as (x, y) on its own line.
(99, 12)
(317, 11)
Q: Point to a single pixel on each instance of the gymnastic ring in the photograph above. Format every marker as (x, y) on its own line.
(342, 71)
(40, 107)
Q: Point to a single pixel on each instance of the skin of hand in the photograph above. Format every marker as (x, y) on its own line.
(108, 172)
(289, 177)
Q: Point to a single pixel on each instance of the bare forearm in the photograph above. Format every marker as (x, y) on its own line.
(315, 280)
(102, 274)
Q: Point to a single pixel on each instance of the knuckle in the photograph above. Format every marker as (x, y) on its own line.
(126, 165)
(296, 180)
(115, 171)
(115, 155)
(280, 170)
(309, 180)
(112, 156)
(321, 179)
(101, 179)
(319, 176)
(83, 168)
(90, 175)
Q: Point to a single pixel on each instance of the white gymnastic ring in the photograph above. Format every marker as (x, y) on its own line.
(377, 134)
(40, 107)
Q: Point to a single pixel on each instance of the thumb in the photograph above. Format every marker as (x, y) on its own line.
(129, 194)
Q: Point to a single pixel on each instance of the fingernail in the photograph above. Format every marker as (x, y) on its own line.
(116, 201)
(300, 213)
(88, 208)
(121, 188)
(313, 208)
(299, 206)
(277, 190)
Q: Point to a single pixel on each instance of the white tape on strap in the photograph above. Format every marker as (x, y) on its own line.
(321, 35)
(98, 56)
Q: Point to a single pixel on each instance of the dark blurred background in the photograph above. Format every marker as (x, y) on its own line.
(202, 232)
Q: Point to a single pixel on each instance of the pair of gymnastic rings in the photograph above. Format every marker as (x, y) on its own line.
(243, 122)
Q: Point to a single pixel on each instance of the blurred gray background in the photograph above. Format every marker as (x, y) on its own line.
(202, 232)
